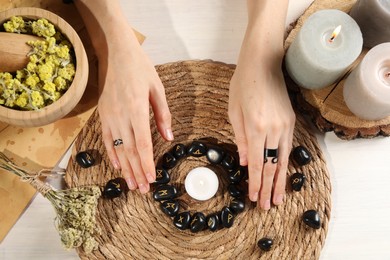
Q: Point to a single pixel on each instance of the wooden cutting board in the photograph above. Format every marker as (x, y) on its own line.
(42, 147)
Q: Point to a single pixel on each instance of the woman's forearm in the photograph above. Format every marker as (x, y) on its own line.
(105, 23)
(265, 31)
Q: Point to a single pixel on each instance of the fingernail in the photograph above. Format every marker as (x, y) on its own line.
(116, 165)
(255, 196)
(279, 199)
(150, 178)
(169, 134)
(130, 184)
(143, 188)
(267, 205)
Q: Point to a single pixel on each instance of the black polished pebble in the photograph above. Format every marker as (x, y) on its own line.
(162, 176)
(198, 222)
(197, 149)
(312, 219)
(165, 192)
(301, 155)
(114, 188)
(237, 205)
(297, 180)
(215, 155)
(237, 175)
(169, 161)
(229, 162)
(182, 220)
(265, 244)
(85, 159)
(179, 151)
(235, 191)
(170, 207)
(213, 222)
(227, 217)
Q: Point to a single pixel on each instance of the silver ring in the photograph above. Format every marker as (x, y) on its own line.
(271, 153)
(118, 142)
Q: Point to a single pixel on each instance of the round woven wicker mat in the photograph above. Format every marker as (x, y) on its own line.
(134, 227)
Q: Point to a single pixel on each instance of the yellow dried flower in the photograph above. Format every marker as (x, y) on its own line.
(42, 27)
(32, 80)
(22, 100)
(67, 72)
(37, 100)
(15, 25)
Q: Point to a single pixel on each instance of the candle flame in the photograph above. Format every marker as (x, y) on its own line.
(335, 33)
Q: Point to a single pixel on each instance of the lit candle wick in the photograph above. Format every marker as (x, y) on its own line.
(335, 33)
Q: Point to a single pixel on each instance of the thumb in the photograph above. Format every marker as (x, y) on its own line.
(162, 115)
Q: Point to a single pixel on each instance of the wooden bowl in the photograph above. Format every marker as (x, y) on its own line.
(72, 96)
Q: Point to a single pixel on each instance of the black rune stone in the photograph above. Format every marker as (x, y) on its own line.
(169, 161)
(212, 222)
(301, 155)
(182, 220)
(297, 180)
(227, 217)
(84, 159)
(265, 244)
(197, 149)
(312, 219)
(238, 174)
(237, 205)
(179, 151)
(215, 155)
(235, 191)
(114, 188)
(229, 162)
(198, 222)
(165, 192)
(170, 207)
(162, 176)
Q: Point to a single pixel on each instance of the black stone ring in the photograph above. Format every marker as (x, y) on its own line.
(118, 142)
(271, 153)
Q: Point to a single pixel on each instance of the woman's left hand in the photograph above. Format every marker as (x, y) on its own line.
(262, 117)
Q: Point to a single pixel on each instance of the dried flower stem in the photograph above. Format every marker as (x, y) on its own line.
(75, 208)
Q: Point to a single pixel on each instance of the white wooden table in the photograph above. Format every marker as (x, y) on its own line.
(204, 29)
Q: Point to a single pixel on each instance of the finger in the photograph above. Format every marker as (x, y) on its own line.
(280, 179)
(269, 169)
(143, 142)
(126, 170)
(237, 121)
(109, 144)
(280, 174)
(131, 159)
(162, 115)
(255, 164)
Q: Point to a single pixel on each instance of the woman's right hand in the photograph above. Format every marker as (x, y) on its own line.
(128, 83)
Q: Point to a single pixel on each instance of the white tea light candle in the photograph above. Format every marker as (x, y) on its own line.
(367, 89)
(327, 44)
(373, 17)
(201, 183)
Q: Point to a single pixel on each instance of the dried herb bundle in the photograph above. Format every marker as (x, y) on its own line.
(75, 208)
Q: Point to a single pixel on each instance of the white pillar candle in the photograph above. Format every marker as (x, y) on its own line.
(373, 17)
(367, 88)
(201, 183)
(318, 57)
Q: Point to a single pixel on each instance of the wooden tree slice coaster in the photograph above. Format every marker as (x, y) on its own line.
(326, 106)
(134, 227)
